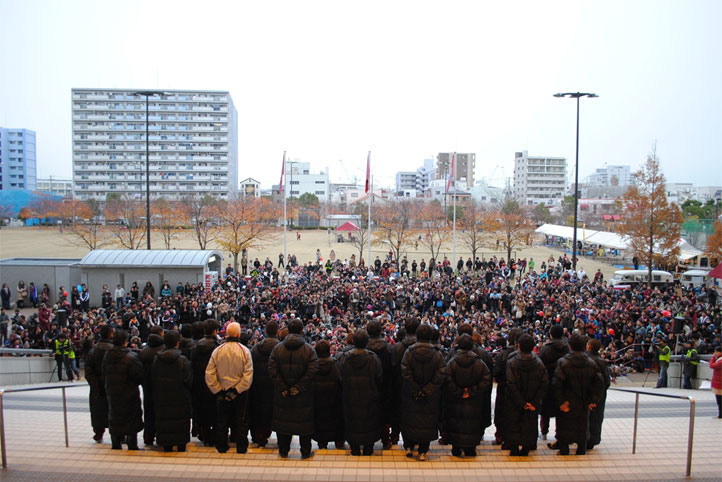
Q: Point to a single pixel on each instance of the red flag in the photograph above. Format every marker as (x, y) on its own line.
(283, 173)
(368, 172)
(451, 176)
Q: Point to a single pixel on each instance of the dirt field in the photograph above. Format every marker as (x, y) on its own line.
(49, 243)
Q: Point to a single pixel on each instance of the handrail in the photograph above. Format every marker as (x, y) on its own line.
(3, 391)
(690, 435)
(25, 351)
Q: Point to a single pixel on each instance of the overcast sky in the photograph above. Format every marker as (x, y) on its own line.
(329, 81)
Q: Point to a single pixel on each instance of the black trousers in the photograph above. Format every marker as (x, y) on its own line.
(234, 415)
(64, 362)
(148, 416)
(284, 443)
(423, 446)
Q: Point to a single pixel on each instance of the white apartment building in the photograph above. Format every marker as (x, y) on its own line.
(300, 181)
(250, 188)
(193, 143)
(539, 179)
(18, 162)
(58, 187)
(611, 176)
(405, 180)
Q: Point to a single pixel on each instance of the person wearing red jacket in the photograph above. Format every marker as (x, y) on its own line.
(716, 364)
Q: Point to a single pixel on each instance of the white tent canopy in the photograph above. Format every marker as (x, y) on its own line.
(607, 239)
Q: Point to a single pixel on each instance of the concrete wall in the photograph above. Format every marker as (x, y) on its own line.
(95, 278)
(704, 372)
(55, 276)
(23, 370)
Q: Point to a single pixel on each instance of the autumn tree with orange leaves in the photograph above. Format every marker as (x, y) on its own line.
(246, 221)
(394, 225)
(714, 244)
(167, 219)
(510, 223)
(198, 212)
(650, 223)
(473, 227)
(82, 224)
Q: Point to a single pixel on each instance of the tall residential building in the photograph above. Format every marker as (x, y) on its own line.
(464, 169)
(611, 176)
(57, 187)
(192, 140)
(18, 162)
(539, 179)
(405, 180)
(301, 181)
(424, 177)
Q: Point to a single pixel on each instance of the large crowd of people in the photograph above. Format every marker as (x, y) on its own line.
(347, 353)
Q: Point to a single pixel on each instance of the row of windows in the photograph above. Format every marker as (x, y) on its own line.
(169, 97)
(141, 106)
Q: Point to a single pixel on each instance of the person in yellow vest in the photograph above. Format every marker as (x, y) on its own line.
(691, 360)
(664, 356)
(62, 356)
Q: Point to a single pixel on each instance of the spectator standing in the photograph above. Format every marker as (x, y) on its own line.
(123, 372)
(262, 387)
(204, 401)
(94, 376)
(147, 356)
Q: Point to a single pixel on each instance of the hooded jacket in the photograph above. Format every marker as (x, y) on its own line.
(328, 404)
(549, 354)
(468, 383)
(262, 387)
(123, 372)
(526, 382)
(172, 380)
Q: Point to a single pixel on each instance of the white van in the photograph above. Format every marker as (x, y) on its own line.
(639, 276)
(695, 278)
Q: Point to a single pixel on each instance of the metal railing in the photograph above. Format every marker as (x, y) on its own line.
(3, 391)
(26, 351)
(690, 435)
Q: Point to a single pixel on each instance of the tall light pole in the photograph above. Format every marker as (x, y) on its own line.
(147, 93)
(576, 95)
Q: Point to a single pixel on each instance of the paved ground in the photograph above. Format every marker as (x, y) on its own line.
(36, 451)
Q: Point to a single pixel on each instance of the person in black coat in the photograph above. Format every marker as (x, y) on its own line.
(596, 416)
(549, 354)
(204, 402)
(171, 377)
(527, 383)
(327, 401)
(147, 356)
(484, 356)
(292, 366)
(382, 350)
(397, 355)
(467, 382)
(501, 405)
(423, 372)
(123, 372)
(577, 386)
(362, 379)
(94, 376)
(262, 387)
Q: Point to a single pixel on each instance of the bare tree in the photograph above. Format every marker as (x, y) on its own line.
(474, 229)
(82, 223)
(199, 212)
(433, 227)
(168, 217)
(514, 226)
(394, 225)
(127, 224)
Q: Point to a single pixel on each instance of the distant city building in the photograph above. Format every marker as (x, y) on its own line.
(611, 176)
(250, 188)
(464, 168)
(300, 181)
(484, 193)
(539, 179)
(58, 187)
(679, 192)
(424, 177)
(193, 143)
(18, 161)
(405, 181)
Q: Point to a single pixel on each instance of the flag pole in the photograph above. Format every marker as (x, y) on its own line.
(285, 218)
(371, 196)
(453, 174)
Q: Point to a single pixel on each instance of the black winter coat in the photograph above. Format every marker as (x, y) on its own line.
(123, 373)
(423, 372)
(596, 416)
(501, 404)
(262, 386)
(204, 402)
(362, 379)
(397, 354)
(328, 405)
(382, 350)
(578, 381)
(147, 355)
(94, 375)
(172, 380)
(464, 417)
(293, 363)
(488, 360)
(526, 382)
(549, 354)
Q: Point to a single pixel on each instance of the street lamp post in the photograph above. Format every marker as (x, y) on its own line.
(576, 95)
(147, 93)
